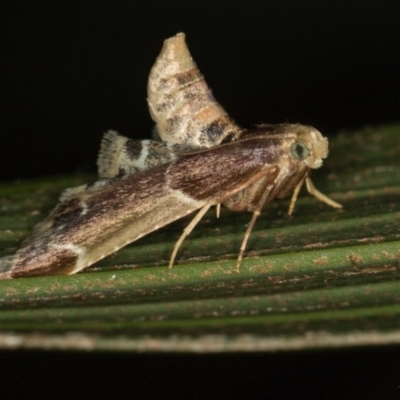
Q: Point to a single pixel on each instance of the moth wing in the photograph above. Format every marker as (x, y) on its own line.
(6, 265)
(72, 192)
(94, 223)
(120, 156)
(72, 197)
(181, 103)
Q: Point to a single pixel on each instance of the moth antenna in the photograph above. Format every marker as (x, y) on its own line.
(320, 196)
(187, 231)
(246, 238)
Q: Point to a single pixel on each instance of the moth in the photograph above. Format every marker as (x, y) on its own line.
(202, 158)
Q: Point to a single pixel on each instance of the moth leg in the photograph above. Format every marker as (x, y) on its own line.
(187, 231)
(218, 210)
(294, 196)
(254, 200)
(320, 196)
(246, 238)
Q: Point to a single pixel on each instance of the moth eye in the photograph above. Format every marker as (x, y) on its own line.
(299, 151)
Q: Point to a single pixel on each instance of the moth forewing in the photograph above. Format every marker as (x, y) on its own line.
(91, 225)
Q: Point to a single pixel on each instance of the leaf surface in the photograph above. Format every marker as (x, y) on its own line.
(321, 278)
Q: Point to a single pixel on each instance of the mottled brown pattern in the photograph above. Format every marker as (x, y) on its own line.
(121, 156)
(187, 77)
(180, 101)
(48, 262)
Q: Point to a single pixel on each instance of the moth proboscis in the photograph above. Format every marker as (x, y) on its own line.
(202, 158)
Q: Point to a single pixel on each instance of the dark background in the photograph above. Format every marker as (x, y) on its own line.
(71, 70)
(324, 375)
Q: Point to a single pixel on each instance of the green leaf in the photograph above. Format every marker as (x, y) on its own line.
(321, 278)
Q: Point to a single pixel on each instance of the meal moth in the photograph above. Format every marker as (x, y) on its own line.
(202, 158)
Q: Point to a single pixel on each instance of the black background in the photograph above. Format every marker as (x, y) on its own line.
(72, 70)
(337, 374)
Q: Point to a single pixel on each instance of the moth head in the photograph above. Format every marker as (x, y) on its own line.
(309, 146)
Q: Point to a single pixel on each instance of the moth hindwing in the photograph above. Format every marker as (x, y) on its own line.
(202, 159)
